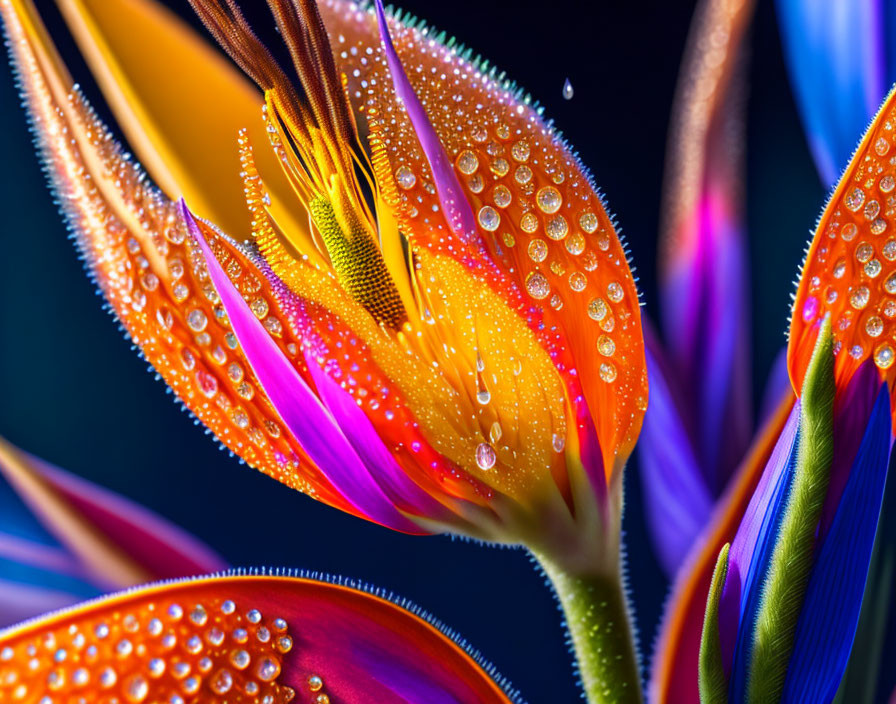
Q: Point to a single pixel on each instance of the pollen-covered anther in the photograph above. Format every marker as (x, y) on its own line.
(151, 650)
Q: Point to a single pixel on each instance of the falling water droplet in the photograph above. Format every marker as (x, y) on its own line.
(567, 90)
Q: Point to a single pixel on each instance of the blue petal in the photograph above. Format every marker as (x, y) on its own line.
(750, 556)
(677, 499)
(830, 612)
(835, 52)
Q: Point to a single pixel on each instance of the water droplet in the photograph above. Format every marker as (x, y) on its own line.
(887, 183)
(884, 356)
(485, 456)
(528, 223)
(522, 175)
(575, 244)
(859, 297)
(606, 346)
(848, 231)
(500, 166)
(810, 309)
(467, 162)
(854, 199)
(502, 196)
(483, 397)
(405, 178)
(567, 90)
(597, 309)
(558, 442)
(538, 250)
(267, 669)
(607, 372)
(520, 150)
(873, 268)
(537, 285)
(872, 209)
(615, 292)
(489, 218)
(577, 281)
(874, 326)
(557, 228)
(315, 683)
(549, 199)
(588, 222)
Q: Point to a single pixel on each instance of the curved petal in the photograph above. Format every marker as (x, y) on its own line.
(150, 272)
(677, 499)
(674, 670)
(180, 112)
(117, 542)
(751, 553)
(703, 261)
(836, 54)
(830, 610)
(247, 637)
(301, 410)
(849, 273)
(552, 248)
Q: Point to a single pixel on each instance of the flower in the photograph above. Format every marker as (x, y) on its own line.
(409, 303)
(415, 362)
(64, 539)
(784, 605)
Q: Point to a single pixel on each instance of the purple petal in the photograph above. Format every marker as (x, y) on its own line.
(451, 197)
(302, 412)
(22, 601)
(370, 448)
(751, 551)
(677, 499)
(37, 555)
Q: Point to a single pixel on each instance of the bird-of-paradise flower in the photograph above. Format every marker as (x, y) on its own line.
(822, 82)
(271, 636)
(63, 539)
(785, 601)
(420, 313)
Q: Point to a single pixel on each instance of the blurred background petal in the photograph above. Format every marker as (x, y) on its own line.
(63, 539)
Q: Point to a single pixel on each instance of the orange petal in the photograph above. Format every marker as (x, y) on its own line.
(559, 261)
(240, 639)
(850, 269)
(150, 273)
(675, 664)
(182, 110)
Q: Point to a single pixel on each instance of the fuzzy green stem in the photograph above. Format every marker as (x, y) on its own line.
(597, 616)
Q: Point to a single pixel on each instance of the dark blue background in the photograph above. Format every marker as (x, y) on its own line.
(72, 391)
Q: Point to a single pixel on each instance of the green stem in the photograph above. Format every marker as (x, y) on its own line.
(597, 616)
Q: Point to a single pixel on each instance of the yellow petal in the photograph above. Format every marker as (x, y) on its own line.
(180, 103)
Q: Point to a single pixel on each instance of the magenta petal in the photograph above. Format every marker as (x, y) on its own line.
(370, 448)
(300, 409)
(159, 547)
(455, 206)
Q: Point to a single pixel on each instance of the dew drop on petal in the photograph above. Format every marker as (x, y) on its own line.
(485, 456)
